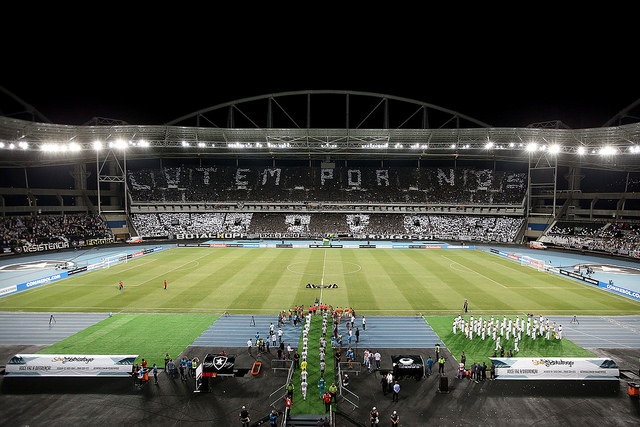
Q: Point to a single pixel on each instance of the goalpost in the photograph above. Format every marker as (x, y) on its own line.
(114, 259)
(526, 261)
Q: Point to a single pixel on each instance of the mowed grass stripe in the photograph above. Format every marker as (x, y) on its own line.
(263, 287)
(266, 281)
(150, 336)
(386, 278)
(491, 278)
(545, 291)
(434, 286)
(405, 281)
(299, 263)
(223, 276)
(503, 298)
(357, 290)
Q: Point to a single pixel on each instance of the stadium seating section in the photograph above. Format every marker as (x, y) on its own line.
(52, 228)
(455, 227)
(298, 184)
(345, 201)
(613, 237)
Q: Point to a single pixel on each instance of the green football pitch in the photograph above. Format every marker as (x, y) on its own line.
(373, 281)
(150, 336)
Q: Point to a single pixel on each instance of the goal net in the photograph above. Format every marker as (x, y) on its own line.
(114, 259)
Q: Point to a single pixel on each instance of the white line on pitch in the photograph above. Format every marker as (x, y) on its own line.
(473, 271)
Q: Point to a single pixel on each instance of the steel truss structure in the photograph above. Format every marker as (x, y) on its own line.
(613, 147)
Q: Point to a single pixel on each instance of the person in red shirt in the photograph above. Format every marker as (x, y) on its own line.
(288, 406)
(165, 285)
(327, 401)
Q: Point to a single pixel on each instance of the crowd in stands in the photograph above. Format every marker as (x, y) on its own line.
(26, 229)
(612, 237)
(307, 184)
(168, 224)
(465, 227)
(454, 227)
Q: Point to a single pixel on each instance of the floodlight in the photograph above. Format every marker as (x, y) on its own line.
(488, 145)
(97, 145)
(532, 147)
(581, 150)
(554, 149)
(607, 150)
(120, 144)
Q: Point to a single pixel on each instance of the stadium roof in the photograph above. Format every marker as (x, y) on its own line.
(283, 126)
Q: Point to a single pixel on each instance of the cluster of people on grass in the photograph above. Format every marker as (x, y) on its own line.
(297, 313)
(507, 328)
(302, 361)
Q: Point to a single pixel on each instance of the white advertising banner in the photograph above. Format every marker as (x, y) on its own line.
(70, 365)
(555, 368)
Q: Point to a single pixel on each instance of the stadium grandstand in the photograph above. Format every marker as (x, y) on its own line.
(386, 174)
(408, 169)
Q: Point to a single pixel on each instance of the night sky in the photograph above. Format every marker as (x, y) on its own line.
(510, 72)
(151, 68)
(499, 98)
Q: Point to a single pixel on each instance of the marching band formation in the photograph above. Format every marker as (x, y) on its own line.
(507, 328)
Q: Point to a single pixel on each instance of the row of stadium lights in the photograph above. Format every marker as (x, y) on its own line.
(121, 144)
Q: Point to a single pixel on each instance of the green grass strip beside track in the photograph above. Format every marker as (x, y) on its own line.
(150, 336)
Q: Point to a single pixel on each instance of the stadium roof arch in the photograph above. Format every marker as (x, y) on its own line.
(343, 101)
(344, 125)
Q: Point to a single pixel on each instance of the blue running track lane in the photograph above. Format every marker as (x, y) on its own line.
(381, 332)
(34, 328)
(236, 329)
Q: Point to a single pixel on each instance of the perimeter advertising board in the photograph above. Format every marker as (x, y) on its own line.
(555, 368)
(69, 365)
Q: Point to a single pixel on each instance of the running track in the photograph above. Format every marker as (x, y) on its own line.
(381, 331)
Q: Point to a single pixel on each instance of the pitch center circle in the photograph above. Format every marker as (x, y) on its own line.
(315, 268)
